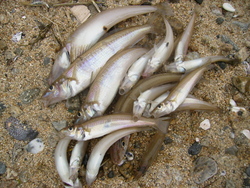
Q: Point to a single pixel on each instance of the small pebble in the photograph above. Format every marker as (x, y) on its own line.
(59, 125)
(2, 107)
(46, 61)
(29, 95)
(2, 168)
(129, 156)
(248, 171)
(216, 10)
(35, 146)
(204, 168)
(19, 130)
(228, 7)
(227, 40)
(111, 174)
(205, 125)
(232, 150)
(199, 1)
(243, 26)
(219, 20)
(221, 64)
(168, 140)
(195, 149)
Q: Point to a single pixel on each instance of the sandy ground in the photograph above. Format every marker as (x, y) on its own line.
(22, 68)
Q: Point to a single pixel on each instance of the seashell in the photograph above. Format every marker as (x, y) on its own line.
(205, 125)
(228, 7)
(81, 13)
(35, 146)
(246, 133)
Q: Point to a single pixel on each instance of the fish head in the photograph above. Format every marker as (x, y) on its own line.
(62, 62)
(175, 68)
(74, 132)
(139, 107)
(163, 109)
(81, 117)
(128, 83)
(152, 66)
(57, 92)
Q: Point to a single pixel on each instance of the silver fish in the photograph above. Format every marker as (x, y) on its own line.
(162, 53)
(101, 148)
(187, 66)
(135, 71)
(179, 93)
(83, 71)
(103, 125)
(104, 88)
(182, 46)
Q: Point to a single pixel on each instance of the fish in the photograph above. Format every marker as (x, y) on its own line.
(101, 148)
(179, 93)
(182, 46)
(83, 71)
(162, 53)
(104, 88)
(89, 32)
(118, 150)
(187, 66)
(103, 125)
(76, 158)
(150, 154)
(134, 73)
(62, 165)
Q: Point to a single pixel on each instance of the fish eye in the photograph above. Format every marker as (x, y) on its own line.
(79, 114)
(51, 87)
(70, 128)
(159, 107)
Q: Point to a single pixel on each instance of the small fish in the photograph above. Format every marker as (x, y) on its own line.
(150, 154)
(105, 86)
(118, 150)
(101, 148)
(162, 53)
(103, 125)
(182, 46)
(76, 158)
(179, 93)
(135, 71)
(83, 71)
(187, 66)
(62, 165)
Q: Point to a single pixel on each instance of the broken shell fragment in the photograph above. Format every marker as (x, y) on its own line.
(246, 133)
(228, 7)
(205, 125)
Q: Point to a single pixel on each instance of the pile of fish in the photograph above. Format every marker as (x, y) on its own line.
(114, 65)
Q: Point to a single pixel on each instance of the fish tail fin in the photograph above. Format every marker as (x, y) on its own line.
(165, 9)
(163, 124)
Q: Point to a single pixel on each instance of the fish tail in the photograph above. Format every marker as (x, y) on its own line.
(165, 9)
(163, 124)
